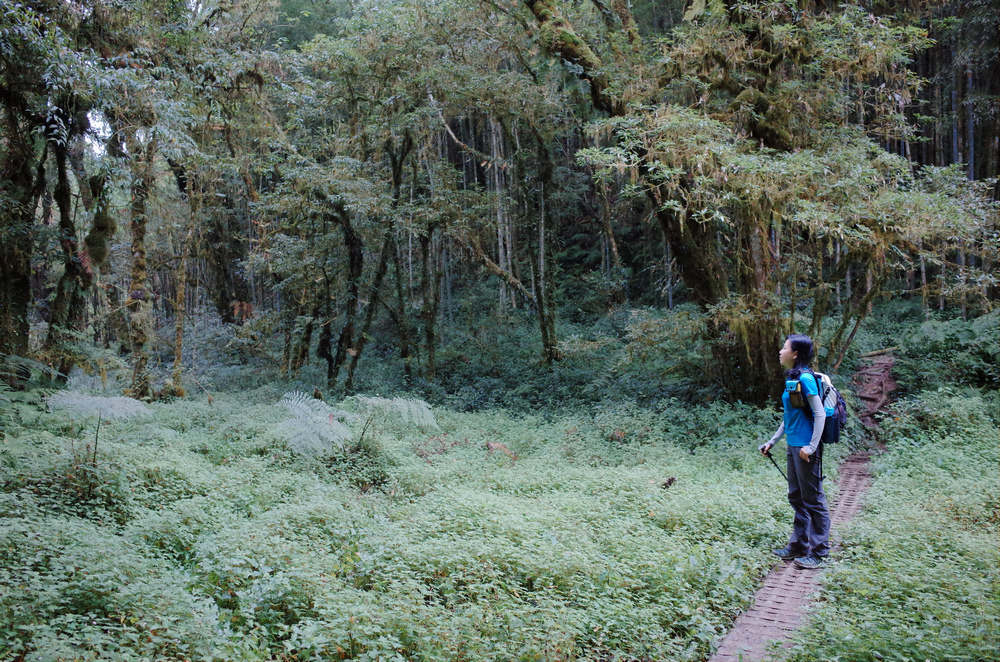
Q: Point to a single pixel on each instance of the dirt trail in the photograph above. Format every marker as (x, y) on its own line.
(781, 603)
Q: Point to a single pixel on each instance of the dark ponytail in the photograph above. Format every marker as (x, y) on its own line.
(802, 345)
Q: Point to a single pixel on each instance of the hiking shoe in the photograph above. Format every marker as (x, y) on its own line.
(810, 562)
(787, 554)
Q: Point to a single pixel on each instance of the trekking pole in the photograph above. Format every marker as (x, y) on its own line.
(771, 457)
(820, 454)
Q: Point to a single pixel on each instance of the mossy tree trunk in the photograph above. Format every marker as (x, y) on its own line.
(140, 299)
(175, 387)
(20, 187)
(430, 285)
(400, 317)
(397, 155)
(373, 299)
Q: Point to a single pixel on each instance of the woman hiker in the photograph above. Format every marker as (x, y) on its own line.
(810, 540)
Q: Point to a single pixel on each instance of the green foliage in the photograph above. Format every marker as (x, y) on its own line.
(82, 405)
(69, 482)
(599, 533)
(415, 412)
(21, 369)
(959, 351)
(314, 427)
(636, 531)
(919, 577)
(83, 592)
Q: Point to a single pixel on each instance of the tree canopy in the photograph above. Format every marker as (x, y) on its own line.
(335, 173)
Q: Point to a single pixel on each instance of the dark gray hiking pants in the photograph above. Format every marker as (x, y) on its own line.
(811, 527)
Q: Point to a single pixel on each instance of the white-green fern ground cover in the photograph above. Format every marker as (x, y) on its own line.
(203, 533)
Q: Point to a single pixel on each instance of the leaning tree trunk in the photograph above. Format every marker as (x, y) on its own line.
(355, 266)
(397, 158)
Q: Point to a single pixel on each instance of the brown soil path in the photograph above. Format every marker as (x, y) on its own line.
(781, 603)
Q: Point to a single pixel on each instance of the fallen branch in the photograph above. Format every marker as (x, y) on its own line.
(210, 398)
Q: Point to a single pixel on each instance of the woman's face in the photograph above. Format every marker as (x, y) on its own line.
(786, 356)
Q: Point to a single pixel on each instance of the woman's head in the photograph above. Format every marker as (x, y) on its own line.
(797, 352)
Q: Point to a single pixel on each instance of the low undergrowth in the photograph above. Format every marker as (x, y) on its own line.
(919, 575)
(200, 533)
(606, 532)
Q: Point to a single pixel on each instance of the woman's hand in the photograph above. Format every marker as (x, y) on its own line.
(765, 448)
(804, 454)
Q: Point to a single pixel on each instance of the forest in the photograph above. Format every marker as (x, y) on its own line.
(448, 329)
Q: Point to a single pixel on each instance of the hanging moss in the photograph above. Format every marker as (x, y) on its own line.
(103, 228)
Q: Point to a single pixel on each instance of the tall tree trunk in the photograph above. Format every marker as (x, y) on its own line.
(942, 282)
(925, 305)
(22, 188)
(174, 387)
(746, 329)
(694, 248)
(836, 266)
(227, 246)
(71, 292)
(397, 156)
(970, 125)
(304, 325)
(615, 272)
(821, 299)
(428, 310)
(961, 279)
(859, 311)
(140, 298)
(192, 191)
(543, 291)
(355, 267)
(373, 299)
(402, 321)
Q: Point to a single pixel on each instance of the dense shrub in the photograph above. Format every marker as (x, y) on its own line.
(75, 591)
(941, 351)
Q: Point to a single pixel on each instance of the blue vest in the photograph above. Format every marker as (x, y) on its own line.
(799, 422)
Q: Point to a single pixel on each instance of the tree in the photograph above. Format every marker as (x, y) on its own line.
(751, 85)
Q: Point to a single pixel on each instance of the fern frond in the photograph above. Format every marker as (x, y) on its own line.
(24, 369)
(314, 427)
(607, 372)
(96, 405)
(413, 411)
(297, 403)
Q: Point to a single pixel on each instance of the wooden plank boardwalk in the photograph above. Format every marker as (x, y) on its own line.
(779, 606)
